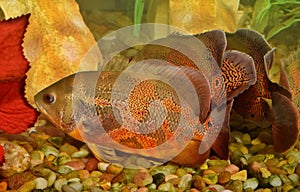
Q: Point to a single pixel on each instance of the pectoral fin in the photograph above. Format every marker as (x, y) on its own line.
(221, 144)
(285, 126)
(238, 71)
(189, 157)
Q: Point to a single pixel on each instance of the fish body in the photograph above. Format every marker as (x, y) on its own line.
(174, 103)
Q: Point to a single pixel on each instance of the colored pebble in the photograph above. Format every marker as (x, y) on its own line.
(265, 173)
(169, 177)
(275, 181)
(224, 177)
(251, 183)
(37, 157)
(211, 178)
(231, 168)
(180, 172)
(198, 182)
(167, 187)
(92, 164)
(107, 177)
(278, 171)
(114, 168)
(50, 150)
(143, 189)
(83, 174)
(56, 141)
(3, 186)
(64, 169)
(41, 183)
(76, 185)
(217, 163)
(59, 183)
(272, 162)
(241, 175)
(194, 190)
(246, 139)
(186, 181)
(294, 178)
(102, 166)
(76, 164)
(69, 149)
(158, 178)
(27, 187)
(80, 154)
(142, 178)
(235, 185)
(216, 187)
(67, 188)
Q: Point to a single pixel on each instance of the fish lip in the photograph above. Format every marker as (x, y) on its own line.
(39, 106)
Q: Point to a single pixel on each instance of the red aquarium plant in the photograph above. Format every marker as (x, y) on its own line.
(16, 115)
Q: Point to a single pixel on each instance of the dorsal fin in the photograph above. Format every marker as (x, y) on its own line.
(238, 71)
(283, 86)
(116, 63)
(216, 43)
(285, 127)
(249, 42)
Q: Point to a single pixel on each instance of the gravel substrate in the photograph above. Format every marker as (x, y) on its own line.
(45, 159)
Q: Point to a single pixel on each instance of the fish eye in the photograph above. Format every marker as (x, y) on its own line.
(49, 98)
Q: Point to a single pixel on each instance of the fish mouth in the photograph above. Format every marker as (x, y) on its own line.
(38, 105)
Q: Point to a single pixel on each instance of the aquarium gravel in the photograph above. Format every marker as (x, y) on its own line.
(45, 159)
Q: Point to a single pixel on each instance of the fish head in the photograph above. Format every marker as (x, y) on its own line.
(55, 102)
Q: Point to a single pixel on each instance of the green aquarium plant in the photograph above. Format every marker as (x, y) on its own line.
(137, 17)
(270, 17)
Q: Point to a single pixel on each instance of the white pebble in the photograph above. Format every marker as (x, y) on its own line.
(168, 177)
(102, 166)
(41, 183)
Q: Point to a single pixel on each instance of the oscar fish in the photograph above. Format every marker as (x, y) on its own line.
(253, 104)
(105, 101)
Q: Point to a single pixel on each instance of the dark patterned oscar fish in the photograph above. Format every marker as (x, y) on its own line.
(253, 105)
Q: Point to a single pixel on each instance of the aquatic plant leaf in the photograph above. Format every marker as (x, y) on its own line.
(138, 13)
(15, 114)
(55, 42)
(260, 16)
(272, 17)
(285, 126)
(284, 25)
(292, 67)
